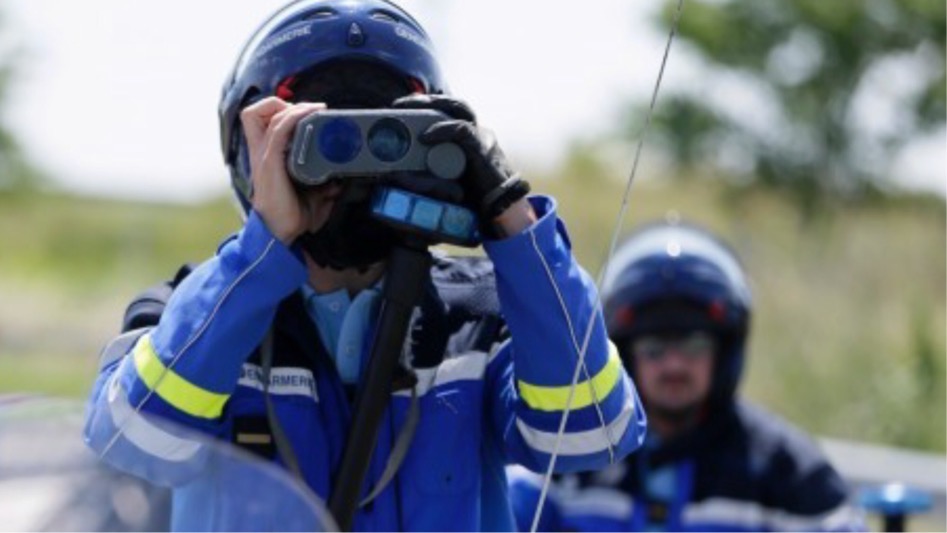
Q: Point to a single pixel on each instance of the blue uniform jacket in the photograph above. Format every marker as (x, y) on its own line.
(743, 469)
(493, 348)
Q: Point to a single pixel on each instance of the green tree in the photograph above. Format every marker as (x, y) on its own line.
(16, 174)
(816, 97)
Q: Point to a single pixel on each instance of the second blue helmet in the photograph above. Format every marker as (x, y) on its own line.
(673, 278)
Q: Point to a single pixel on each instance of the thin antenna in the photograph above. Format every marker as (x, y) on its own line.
(604, 271)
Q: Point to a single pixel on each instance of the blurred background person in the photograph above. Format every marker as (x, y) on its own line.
(679, 307)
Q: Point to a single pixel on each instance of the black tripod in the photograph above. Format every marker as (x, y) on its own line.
(408, 268)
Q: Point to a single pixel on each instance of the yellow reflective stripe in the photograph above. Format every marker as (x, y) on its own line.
(172, 388)
(555, 398)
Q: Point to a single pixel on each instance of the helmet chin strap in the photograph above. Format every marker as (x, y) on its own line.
(580, 364)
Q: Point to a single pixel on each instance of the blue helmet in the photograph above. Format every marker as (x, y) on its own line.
(671, 278)
(309, 36)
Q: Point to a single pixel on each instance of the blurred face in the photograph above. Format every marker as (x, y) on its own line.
(674, 373)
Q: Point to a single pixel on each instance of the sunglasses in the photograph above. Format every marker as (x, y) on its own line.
(692, 346)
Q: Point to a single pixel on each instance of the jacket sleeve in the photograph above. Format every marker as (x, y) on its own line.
(160, 385)
(804, 492)
(549, 304)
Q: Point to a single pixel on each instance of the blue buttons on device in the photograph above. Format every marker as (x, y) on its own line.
(340, 140)
(457, 221)
(393, 204)
(427, 214)
(445, 222)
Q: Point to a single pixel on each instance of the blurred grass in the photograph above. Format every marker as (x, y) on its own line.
(68, 267)
(849, 325)
(83, 244)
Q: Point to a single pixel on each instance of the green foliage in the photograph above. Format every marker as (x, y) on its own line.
(84, 244)
(813, 97)
(16, 174)
(68, 267)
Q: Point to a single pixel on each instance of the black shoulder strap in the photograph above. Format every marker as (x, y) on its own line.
(146, 308)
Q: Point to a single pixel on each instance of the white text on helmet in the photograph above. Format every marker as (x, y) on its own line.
(283, 38)
(405, 33)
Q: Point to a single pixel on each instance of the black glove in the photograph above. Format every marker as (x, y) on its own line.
(490, 185)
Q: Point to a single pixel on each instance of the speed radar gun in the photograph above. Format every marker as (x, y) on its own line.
(345, 144)
(369, 145)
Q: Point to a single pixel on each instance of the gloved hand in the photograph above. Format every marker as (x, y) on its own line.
(490, 185)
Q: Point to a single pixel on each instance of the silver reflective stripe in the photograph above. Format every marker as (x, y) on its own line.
(517, 472)
(578, 442)
(844, 517)
(752, 515)
(725, 511)
(469, 367)
(283, 381)
(596, 501)
(148, 437)
(119, 346)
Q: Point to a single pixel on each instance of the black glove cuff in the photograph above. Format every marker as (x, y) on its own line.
(501, 198)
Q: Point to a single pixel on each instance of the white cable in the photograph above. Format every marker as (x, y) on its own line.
(602, 273)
